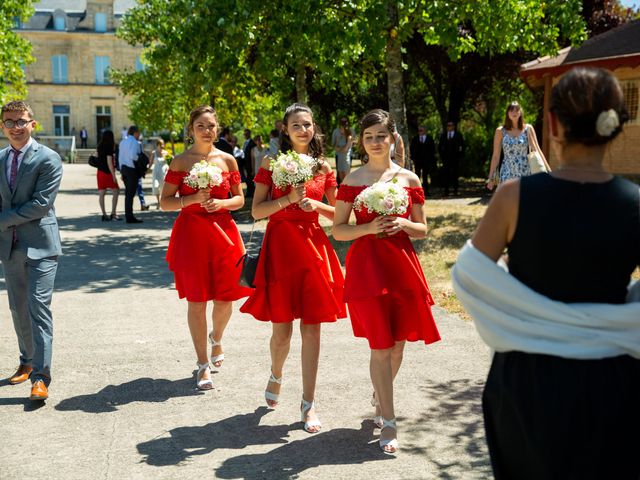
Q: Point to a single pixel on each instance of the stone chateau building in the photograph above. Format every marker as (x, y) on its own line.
(74, 46)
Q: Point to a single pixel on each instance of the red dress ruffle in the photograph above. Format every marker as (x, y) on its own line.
(205, 247)
(298, 274)
(385, 289)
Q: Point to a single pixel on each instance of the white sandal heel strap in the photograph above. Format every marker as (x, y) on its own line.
(389, 445)
(270, 396)
(203, 384)
(214, 343)
(304, 408)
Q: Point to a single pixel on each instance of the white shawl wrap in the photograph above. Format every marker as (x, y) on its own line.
(510, 316)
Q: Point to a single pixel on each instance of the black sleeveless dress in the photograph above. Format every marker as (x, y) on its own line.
(548, 417)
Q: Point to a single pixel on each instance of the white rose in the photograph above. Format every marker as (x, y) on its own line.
(607, 122)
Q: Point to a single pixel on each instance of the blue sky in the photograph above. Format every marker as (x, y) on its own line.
(630, 3)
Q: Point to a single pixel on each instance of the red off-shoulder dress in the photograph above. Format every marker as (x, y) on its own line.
(205, 247)
(385, 289)
(298, 274)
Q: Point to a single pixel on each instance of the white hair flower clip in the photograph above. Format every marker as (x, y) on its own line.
(607, 122)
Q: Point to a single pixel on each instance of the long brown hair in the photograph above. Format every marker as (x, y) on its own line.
(316, 146)
(507, 121)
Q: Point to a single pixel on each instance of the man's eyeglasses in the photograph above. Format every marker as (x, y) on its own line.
(21, 123)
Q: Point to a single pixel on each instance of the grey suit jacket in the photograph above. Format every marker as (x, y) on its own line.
(29, 208)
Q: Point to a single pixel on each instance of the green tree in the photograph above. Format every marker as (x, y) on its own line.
(15, 52)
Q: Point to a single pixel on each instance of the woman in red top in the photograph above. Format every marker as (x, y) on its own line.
(388, 297)
(205, 244)
(298, 274)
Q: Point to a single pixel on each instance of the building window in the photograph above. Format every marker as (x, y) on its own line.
(139, 65)
(100, 22)
(631, 91)
(61, 120)
(59, 68)
(102, 70)
(59, 22)
(103, 119)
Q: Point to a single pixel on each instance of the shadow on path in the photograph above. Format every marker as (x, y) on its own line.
(139, 390)
(456, 423)
(339, 446)
(236, 432)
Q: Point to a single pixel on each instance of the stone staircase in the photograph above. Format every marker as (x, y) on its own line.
(82, 155)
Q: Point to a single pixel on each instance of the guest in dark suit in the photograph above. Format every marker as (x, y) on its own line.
(30, 176)
(223, 142)
(423, 155)
(247, 164)
(451, 150)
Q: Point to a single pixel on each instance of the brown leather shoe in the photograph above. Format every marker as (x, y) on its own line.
(39, 391)
(21, 375)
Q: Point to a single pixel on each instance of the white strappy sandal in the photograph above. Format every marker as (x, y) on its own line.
(389, 445)
(313, 424)
(203, 384)
(216, 360)
(377, 419)
(270, 396)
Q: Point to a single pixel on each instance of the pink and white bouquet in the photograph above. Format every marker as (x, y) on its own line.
(383, 198)
(292, 168)
(204, 175)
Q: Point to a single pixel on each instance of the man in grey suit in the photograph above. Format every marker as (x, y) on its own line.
(30, 176)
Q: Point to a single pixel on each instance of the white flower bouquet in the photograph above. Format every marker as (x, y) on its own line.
(292, 168)
(383, 198)
(204, 175)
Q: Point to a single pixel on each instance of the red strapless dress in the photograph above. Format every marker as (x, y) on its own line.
(298, 274)
(205, 247)
(385, 289)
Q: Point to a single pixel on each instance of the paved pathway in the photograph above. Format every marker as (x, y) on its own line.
(123, 403)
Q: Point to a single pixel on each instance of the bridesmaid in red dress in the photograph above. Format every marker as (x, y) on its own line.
(386, 292)
(205, 243)
(298, 274)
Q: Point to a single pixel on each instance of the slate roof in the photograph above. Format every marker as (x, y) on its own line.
(611, 49)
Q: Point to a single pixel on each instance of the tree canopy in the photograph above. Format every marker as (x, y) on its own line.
(15, 51)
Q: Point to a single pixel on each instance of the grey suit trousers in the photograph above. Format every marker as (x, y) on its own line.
(30, 288)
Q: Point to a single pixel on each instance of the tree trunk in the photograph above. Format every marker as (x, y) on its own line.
(301, 83)
(395, 80)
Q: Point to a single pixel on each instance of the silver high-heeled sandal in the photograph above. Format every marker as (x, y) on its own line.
(216, 360)
(203, 384)
(270, 396)
(389, 445)
(312, 426)
(377, 419)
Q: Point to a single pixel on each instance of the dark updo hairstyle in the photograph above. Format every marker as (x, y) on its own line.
(578, 100)
(507, 121)
(316, 146)
(374, 117)
(195, 113)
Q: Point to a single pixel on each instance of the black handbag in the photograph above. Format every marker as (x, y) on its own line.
(94, 161)
(249, 265)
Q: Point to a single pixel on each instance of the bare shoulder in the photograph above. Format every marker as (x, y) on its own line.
(355, 178)
(181, 163)
(229, 161)
(410, 178)
(266, 162)
(507, 194)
